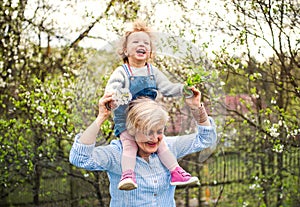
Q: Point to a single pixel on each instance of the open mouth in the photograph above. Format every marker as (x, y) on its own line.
(141, 51)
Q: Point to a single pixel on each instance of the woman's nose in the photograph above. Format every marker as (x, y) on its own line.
(153, 136)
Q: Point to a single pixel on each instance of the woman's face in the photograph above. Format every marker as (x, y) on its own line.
(138, 46)
(149, 143)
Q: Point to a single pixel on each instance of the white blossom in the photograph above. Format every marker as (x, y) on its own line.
(256, 96)
(254, 186)
(2, 83)
(273, 101)
(274, 131)
(40, 109)
(122, 96)
(44, 122)
(296, 131)
(52, 123)
(278, 148)
(245, 203)
(27, 94)
(55, 111)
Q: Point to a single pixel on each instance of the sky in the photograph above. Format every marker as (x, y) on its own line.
(72, 20)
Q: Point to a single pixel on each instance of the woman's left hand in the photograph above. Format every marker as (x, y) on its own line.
(194, 102)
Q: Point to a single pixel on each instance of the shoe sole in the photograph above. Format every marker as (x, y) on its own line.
(127, 185)
(191, 181)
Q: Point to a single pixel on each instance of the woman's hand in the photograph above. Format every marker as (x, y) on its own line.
(104, 112)
(89, 135)
(194, 102)
(197, 108)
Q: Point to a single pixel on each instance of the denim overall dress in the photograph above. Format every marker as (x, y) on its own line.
(138, 86)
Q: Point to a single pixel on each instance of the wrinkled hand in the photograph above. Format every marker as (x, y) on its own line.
(104, 113)
(194, 102)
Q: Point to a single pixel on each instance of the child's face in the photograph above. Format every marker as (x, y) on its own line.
(138, 46)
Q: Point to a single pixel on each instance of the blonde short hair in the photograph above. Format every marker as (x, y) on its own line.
(137, 26)
(144, 114)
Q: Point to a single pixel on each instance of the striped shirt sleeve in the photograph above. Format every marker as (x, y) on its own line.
(183, 145)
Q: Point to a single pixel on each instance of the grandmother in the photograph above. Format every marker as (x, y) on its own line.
(146, 121)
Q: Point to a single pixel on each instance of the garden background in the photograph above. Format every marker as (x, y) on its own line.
(56, 57)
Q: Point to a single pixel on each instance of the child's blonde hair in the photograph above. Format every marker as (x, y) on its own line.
(137, 26)
(144, 114)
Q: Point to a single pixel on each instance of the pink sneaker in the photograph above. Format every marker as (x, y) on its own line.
(180, 177)
(127, 181)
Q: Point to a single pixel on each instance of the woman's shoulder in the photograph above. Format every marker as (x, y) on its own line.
(112, 150)
(116, 143)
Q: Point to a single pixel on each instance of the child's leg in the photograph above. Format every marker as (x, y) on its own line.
(166, 156)
(129, 151)
(128, 180)
(178, 175)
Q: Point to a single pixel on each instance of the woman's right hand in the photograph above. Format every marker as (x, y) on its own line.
(89, 135)
(104, 112)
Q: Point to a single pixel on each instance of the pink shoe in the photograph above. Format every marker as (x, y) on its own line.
(180, 177)
(127, 181)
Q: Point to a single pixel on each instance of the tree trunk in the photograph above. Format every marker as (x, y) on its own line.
(280, 185)
(36, 182)
(97, 187)
(74, 202)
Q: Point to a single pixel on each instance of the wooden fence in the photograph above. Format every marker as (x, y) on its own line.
(234, 174)
(223, 176)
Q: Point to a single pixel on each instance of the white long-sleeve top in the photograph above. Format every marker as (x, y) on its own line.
(119, 79)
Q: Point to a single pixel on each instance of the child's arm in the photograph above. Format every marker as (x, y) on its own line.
(165, 86)
(117, 80)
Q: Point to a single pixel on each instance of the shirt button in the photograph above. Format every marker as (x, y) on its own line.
(155, 194)
(155, 181)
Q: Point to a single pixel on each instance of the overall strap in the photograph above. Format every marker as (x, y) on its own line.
(150, 69)
(127, 70)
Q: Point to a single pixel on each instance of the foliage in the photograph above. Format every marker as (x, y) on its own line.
(268, 91)
(36, 95)
(50, 86)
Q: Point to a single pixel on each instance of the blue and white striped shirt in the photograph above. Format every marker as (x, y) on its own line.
(153, 178)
